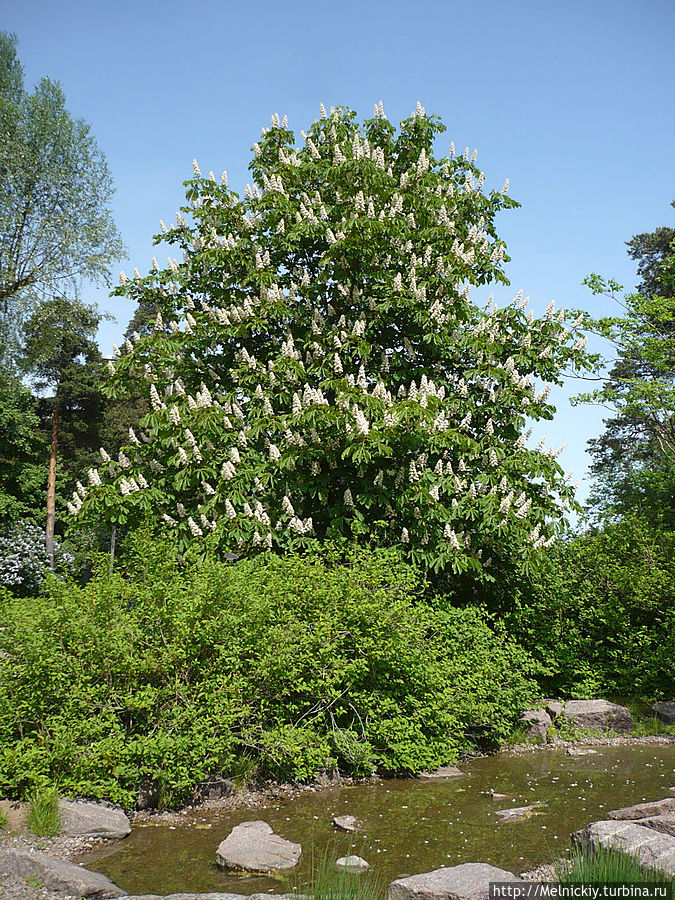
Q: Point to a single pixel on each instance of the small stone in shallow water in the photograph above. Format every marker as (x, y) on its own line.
(346, 823)
(581, 751)
(253, 847)
(352, 864)
(442, 772)
(516, 814)
(496, 796)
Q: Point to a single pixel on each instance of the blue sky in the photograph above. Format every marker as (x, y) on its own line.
(571, 101)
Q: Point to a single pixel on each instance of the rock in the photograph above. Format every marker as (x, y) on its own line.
(148, 796)
(213, 789)
(346, 823)
(79, 817)
(352, 864)
(649, 847)
(495, 796)
(599, 715)
(517, 814)
(58, 875)
(470, 881)
(581, 751)
(539, 722)
(554, 707)
(442, 772)
(664, 823)
(665, 711)
(253, 847)
(16, 813)
(642, 810)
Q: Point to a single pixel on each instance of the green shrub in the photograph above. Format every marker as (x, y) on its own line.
(43, 812)
(285, 667)
(601, 615)
(4, 819)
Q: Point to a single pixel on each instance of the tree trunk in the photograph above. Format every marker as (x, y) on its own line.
(51, 483)
(113, 536)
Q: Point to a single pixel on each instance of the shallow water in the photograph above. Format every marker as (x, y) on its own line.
(409, 826)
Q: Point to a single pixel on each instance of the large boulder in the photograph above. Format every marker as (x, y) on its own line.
(79, 817)
(539, 722)
(57, 875)
(664, 823)
(642, 810)
(554, 707)
(650, 848)
(253, 847)
(598, 715)
(665, 711)
(470, 881)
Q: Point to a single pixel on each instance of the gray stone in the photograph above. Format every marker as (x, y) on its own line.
(79, 817)
(517, 814)
(664, 823)
(442, 772)
(470, 881)
(581, 751)
(352, 864)
(665, 711)
(599, 715)
(148, 796)
(346, 823)
(539, 722)
(642, 810)
(649, 847)
(213, 789)
(554, 707)
(253, 847)
(58, 875)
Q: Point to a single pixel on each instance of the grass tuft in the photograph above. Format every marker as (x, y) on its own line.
(604, 865)
(43, 812)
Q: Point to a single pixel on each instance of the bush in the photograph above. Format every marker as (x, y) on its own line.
(601, 616)
(289, 666)
(24, 563)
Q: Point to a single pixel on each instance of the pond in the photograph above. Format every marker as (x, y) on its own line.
(410, 825)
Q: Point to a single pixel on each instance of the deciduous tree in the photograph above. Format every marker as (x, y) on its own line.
(319, 367)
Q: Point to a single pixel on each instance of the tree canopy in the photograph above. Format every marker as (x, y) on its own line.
(317, 367)
(634, 458)
(56, 227)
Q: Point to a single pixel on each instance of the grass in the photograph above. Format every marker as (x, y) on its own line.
(3, 819)
(604, 865)
(43, 812)
(330, 883)
(521, 735)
